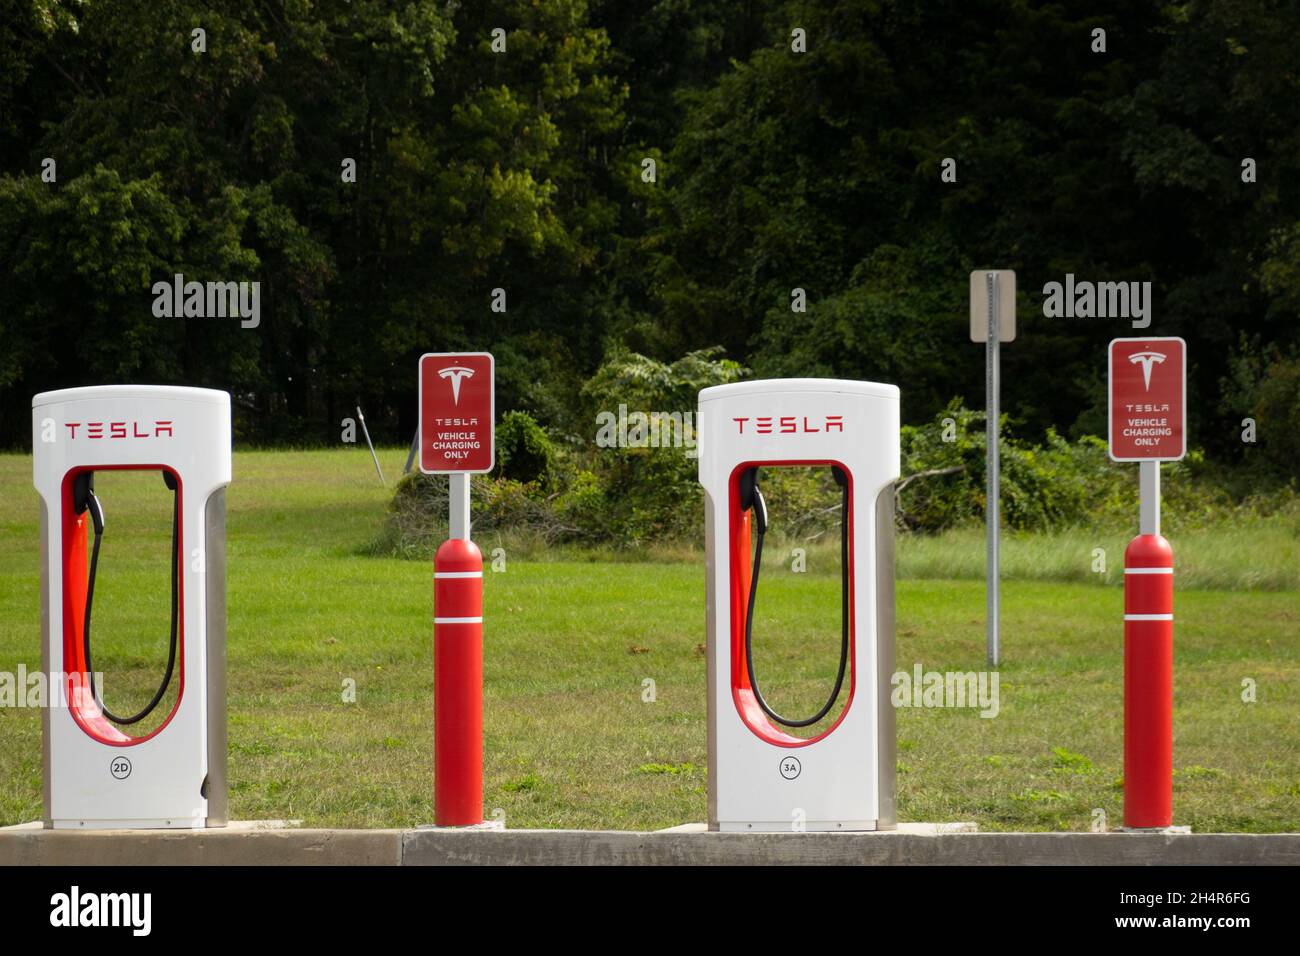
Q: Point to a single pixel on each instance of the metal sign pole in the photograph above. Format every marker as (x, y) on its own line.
(993, 415)
(415, 450)
(369, 444)
(1149, 497)
(993, 322)
(458, 506)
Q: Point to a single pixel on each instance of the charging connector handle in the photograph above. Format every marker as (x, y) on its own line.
(84, 499)
(752, 497)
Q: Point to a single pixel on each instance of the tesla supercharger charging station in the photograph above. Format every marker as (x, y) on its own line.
(761, 776)
(98, 775)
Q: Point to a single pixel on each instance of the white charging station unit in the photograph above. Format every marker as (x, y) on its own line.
(761, 777)
(97, 775)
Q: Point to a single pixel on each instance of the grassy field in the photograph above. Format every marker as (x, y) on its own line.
(569, 643)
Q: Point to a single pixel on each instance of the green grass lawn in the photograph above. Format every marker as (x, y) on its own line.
(569, 643)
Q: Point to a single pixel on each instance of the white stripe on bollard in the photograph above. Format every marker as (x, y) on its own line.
(458, 574)
(458, 620)
(1148, 617)
(1148, 570)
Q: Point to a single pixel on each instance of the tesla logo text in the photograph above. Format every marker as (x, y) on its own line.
(156, 429)
(790, 424)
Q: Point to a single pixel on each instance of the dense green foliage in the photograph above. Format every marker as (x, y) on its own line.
(1049, 486)
(627, 491)
(631, 494)
(524, 452)
(524, 170)
(634, 497)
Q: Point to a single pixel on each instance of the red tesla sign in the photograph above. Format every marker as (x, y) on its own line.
(1148, 399)
(457, 412)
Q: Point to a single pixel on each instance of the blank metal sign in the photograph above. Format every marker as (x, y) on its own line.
(979, 305)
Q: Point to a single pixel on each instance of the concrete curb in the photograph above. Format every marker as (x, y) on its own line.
(586, 847)
(264, 847)
(279, 847)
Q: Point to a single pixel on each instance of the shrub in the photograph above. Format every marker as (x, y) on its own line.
(630, 497)
(1047, 487)
(524, 452)
(1264, 384)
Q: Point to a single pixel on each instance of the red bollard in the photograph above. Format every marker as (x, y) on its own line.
(1148, 682)
(458, 684)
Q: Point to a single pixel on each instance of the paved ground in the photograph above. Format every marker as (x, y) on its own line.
(946, 844)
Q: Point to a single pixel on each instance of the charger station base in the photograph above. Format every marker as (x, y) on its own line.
(487, 825)
(910, 829)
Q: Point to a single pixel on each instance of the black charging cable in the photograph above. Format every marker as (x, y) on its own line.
(84, 499)
(752, 497)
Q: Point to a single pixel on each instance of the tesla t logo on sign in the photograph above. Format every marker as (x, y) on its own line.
(1148, 399)
(457, 412)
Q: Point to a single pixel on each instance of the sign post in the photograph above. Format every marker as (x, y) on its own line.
(992, 321)
(371, 445)
(455, 438)
(1148, 424)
